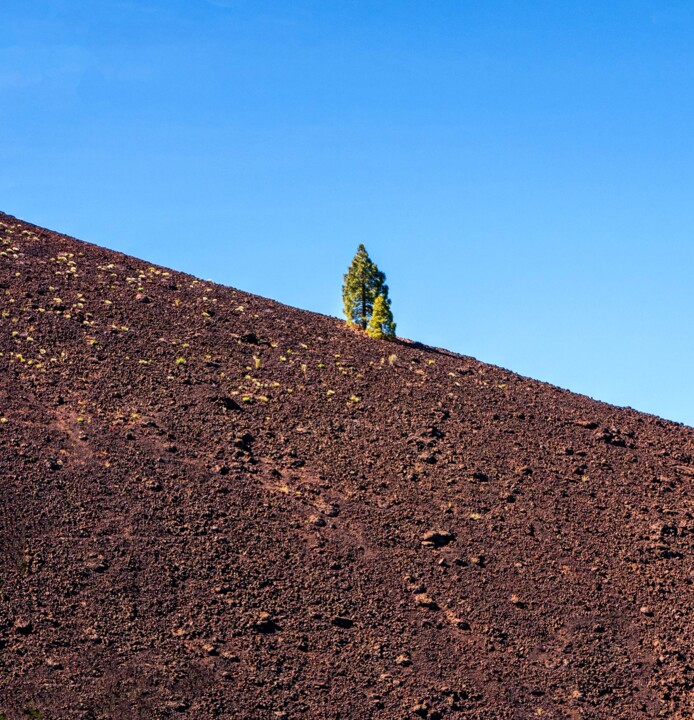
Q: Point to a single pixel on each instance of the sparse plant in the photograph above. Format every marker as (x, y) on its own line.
(381, 324)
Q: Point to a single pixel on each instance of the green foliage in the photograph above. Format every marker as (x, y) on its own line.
(363, 283)
(381, 324)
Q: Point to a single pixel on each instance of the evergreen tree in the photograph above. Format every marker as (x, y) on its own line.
(381, 324)
(363, 283)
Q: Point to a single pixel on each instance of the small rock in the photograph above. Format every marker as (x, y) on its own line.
(142, 298)
(413, 585)
(403, 660)
(97, 563)
(92, 634)
(265, 624)
(645, 610)
(461, 624)
(424, 600)
(343, 622)
(603, 436)
(436, 538)
(317, 521)
(23, 626)
(54, 664)
(421, 709)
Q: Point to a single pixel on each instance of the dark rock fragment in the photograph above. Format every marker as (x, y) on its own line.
(265, 624)
(403, 660)
(243, 442)
(23, 626)
(227, 403)
(424, 600)
(97, 563)
(436, 538)
(420, 708)
(342, 622)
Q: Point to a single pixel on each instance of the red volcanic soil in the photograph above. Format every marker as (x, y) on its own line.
(216, 506)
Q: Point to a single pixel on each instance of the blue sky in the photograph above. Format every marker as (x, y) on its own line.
(522, 171)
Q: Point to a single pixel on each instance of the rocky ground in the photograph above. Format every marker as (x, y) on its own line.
(216, 506)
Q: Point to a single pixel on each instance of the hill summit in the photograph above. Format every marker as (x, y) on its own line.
(216, 506)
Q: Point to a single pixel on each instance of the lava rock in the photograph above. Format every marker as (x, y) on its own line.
(436, 538)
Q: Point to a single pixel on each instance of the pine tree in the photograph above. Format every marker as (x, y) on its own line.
(363, 283)
(381, 324)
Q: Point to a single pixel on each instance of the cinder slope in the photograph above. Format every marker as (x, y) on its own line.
(216, 506)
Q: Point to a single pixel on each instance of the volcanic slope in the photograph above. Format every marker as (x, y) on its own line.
(216, 506)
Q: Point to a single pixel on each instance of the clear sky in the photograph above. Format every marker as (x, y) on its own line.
(522, 171)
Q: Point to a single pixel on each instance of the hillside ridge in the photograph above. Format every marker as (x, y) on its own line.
(10, 219)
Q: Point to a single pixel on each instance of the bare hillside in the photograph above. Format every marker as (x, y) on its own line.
(216, 506)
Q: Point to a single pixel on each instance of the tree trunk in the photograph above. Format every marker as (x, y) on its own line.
(363, 306)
